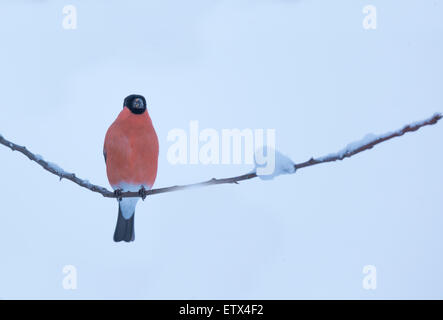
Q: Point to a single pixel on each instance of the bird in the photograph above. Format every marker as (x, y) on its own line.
(131, 156)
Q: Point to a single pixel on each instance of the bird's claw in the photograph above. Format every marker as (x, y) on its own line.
(142, 193)
(118, 194)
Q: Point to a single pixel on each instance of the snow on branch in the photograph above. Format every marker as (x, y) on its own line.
(283, 164)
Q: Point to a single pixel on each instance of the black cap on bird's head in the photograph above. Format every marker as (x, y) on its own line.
(136, 103)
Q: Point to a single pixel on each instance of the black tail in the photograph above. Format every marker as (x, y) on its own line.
(124, 230)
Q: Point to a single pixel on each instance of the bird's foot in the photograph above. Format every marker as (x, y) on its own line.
(142, 193)
(118, 194)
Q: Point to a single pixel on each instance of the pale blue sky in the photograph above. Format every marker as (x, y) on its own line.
(305, 68)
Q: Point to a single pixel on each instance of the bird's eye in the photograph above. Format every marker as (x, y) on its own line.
(138, 103)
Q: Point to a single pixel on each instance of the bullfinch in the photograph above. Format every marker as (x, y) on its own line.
(131, 157)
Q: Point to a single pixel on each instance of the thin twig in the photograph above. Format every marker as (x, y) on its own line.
(62, 174)
(53, 168)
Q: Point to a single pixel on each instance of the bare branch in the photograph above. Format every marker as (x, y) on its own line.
(55, 169)
(370, 144)
(348, 152)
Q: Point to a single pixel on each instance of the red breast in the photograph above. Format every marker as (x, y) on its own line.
(131, 149)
